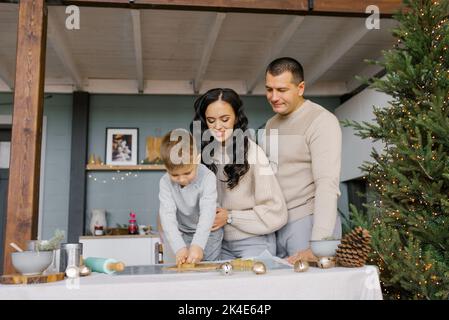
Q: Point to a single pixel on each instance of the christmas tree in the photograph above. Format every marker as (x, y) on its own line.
(409, 220)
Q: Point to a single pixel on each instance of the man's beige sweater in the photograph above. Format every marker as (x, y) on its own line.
(308, 164)
(256, 204)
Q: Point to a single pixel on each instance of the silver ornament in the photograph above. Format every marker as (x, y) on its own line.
(326, 262)
(72, 272)
(301, 266)
(85, 271)
(226, 269)
(259, 268)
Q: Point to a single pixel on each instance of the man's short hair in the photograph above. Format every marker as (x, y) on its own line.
(185, 154)
(281, 65)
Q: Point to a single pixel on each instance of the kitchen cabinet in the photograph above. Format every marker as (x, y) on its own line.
(133, 250)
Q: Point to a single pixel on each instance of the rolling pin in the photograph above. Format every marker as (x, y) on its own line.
(104, 265)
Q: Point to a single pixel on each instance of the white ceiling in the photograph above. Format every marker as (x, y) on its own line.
(164, 51)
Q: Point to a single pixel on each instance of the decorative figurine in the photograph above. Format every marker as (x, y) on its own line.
(92, 159)
(85, 271)
(72, 272)
(301, 266)
(226, 269)
(259, 268)
(326, 262)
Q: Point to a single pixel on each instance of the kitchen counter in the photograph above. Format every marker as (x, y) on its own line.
(336, 283)
(126, 236)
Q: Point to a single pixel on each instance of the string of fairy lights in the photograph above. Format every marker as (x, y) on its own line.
(119, 176)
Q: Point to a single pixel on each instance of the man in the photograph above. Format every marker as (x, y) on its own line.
(307, 163)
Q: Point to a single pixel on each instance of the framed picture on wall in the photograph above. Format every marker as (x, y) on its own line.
(121, 146)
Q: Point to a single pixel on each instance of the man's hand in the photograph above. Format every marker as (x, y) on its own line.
(181, 256)
(221, 218)
(306, 255)
(195, 254)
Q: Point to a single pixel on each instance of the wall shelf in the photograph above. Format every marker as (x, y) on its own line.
(141, 167)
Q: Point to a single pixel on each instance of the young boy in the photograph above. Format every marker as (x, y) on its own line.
(188, 201)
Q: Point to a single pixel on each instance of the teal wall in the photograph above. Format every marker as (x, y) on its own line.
(58, 111)
(146, 112)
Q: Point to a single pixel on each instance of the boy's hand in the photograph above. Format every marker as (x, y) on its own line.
(221, 218)
(195, 254)
(181, 256)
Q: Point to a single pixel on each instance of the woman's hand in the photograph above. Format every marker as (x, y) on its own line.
(306, 255)
(221, 218)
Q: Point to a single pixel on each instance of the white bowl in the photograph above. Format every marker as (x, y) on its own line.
(31, 262)
(324, 248)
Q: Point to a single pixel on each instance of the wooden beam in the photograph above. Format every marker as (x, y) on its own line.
(386, 7)
(77, 194)
(320, 7)
(280, 41)
(202, 5)
(137, 34)
(208, 49)
(23, 192)
(60, 46)
(346, 38)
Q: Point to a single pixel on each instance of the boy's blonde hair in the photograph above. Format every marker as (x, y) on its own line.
(185, 153)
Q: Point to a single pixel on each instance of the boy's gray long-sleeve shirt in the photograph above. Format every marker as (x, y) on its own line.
(190, 209)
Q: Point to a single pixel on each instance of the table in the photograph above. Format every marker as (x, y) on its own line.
(317, 284)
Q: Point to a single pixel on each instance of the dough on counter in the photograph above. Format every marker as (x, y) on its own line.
(241, 264)
(202, 266)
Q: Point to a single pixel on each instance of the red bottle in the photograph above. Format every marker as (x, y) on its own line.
(132, 227)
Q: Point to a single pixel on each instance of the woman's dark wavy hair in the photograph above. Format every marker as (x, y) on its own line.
(234, 172)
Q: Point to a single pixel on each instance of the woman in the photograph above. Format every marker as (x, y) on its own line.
(251, 204)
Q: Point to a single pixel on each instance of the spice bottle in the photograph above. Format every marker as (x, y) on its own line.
(99, 230)
(160, 255)
(132, 227)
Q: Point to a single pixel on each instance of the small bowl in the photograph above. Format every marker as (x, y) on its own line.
(31, 262)
(324, 248)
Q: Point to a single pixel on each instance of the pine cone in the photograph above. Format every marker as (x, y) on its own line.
(354, 248)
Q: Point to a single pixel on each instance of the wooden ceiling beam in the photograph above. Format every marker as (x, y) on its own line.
(346, 38)
(281, 39)
(367, 71)
(59, 44)
(137, 34)
(320, 7)
(208, 49)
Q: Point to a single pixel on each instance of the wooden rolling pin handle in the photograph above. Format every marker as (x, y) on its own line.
(117, 266)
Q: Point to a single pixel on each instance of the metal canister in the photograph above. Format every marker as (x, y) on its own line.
(32, 245)
(70, 255)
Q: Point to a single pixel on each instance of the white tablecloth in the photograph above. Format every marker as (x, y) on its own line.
(335, 283)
